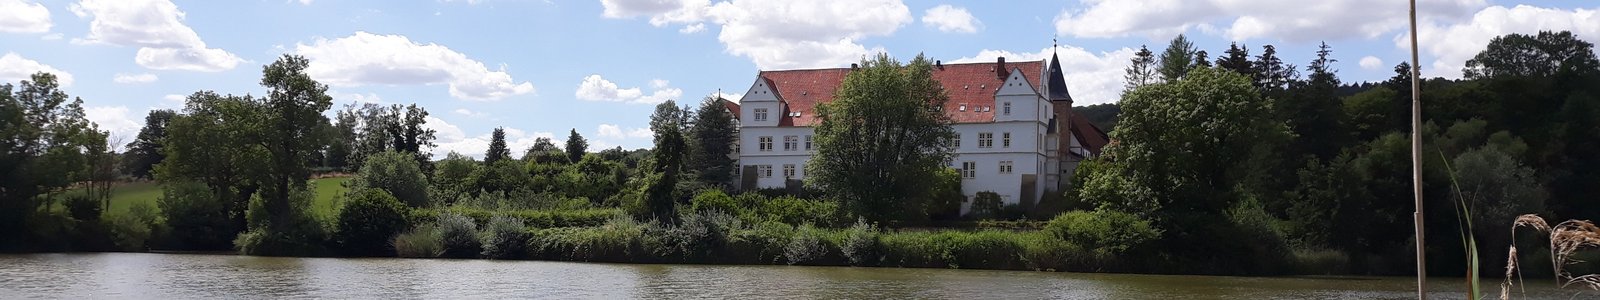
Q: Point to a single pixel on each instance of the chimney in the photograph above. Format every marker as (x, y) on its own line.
(938, 64)
(1000, 68)
(854, 66)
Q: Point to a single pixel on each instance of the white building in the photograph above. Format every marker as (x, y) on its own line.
(1009, 123)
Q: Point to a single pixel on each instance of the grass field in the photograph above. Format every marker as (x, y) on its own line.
(126, 195)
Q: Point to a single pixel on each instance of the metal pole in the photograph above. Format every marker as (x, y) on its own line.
(1416, 157)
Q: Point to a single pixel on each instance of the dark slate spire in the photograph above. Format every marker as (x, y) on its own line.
(1056, 87)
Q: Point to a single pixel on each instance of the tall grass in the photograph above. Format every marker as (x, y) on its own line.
(424, 241)
(1468, 242)
(1566, 239)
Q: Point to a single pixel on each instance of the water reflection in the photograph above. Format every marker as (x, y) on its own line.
(166, 276)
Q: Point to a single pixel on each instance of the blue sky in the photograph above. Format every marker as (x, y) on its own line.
(540, 68)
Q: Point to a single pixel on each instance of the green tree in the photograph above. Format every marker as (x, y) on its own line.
(576, 146)
(1237, 60)
(45, 145)
(368, 220)
(215, 143)
(661, 193)
(453, 177)
(394, 173)
(144, 152)
(1314, 111)
(497, 147)
(293, 106)
(882, 137)
(1521, 55)
(712, 138)
(1183, 141)
(344, 139)
(1141, 71)
(1271, 75)
(1178, 59)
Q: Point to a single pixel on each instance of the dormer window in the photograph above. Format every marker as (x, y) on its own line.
(963, 107)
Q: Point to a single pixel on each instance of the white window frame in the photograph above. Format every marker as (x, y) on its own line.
(1005, 140)
(788, 171)
(1006, 166)
(764, 143)
(764, 171)
(1007, 108)
(808, 142)
(969, 170)
(985, 140)
(958, 140)
(791, 143)
(761, 115)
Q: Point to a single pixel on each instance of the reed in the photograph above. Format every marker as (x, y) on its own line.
(1566, 239)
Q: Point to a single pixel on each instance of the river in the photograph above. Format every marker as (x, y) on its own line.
(195, 276)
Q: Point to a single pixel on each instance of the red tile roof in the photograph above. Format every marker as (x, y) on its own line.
(733, 107)
(1088, 135)
(970, 84)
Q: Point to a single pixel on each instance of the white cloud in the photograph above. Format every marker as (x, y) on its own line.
(365, 58)
(172, 101)
(114, 119)
(156, 26)
(356, 98)
(51, 37)
(779, 34)
(1091, 78)
(1247, 19)
(470, 113)
(735, 97)
(596, 88)
(1371, 63)
(452, 139)
(614, 131)
(21, 16)
(951, 19)
(14, 68)
(1450, 45)
(302, 2)
(134, 78)
(697, 27)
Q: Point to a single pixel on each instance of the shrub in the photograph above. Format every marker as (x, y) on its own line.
(620, 240)
(986, 205)
(128, 232)
(763, 243)
(424, 241)
(504, 238)
(1103, 231)
(859, 243)
(714, 199)
(367, 222)
(83, 208)
(460, 236)
(396, 173)
(800, 211)
(805, 246)
(531, 218)
(196, 218)
(301, 234)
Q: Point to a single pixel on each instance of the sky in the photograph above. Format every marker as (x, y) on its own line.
(542, 68)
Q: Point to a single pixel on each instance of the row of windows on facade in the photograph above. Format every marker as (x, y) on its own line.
(969, 170)
(765, 171)
(790, 143)
(986, 140)
(761, 113)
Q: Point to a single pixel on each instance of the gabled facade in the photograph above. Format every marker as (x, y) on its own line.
(1010, 119)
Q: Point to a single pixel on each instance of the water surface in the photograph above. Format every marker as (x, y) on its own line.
(190, 276)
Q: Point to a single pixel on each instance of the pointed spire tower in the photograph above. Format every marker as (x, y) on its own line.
(1055, 85)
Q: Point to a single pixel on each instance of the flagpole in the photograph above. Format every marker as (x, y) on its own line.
(1416, 157)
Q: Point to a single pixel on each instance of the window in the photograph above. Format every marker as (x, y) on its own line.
(969, 170)
(1005, 167)
(1005, 140)
(963, 107)
(808, 142)
(958, 141)
(1007, 109)
(788, 171)
(764, 171)
(766, 143)
(986, 140)
(761, 115)
(790, 143)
